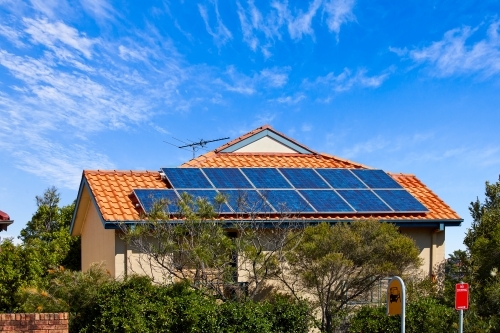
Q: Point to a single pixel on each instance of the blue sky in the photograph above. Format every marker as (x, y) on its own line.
(408, 87)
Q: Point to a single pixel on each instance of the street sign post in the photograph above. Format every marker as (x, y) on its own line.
(396, 299)
(461, 302)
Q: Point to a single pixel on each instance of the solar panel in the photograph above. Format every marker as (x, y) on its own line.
(364, 201)
(148, 197)
(326, 201)
(376, 178)
(266, 178)
(304, 178)
(246, 201)
(186, 178)
(340, 178)
(401, 201)
(208, 195)
(227, 178)
(287, 201)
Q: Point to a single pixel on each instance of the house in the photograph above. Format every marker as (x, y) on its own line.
(5, 221)
(108, 198)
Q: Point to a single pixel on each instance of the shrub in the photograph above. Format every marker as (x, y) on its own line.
(423, 315)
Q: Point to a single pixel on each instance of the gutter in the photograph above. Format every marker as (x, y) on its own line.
(437, 224)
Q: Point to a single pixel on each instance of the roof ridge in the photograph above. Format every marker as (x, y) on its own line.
(120, 171)
(345, 160)
(258, 130)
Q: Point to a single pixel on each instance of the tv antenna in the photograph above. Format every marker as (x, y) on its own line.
(195, 146)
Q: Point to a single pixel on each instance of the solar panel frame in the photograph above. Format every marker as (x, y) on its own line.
(146, 198)
(247, 201)
(297, 204)
(227, 178)
(266, 178)
(370, 202)
(351, 191)
(401, 201)
(303, 178)
(325, 201)
(209, 194)
(187, 178)
(341, 179)
(378, 179)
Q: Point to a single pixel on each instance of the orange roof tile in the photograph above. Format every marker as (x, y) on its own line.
(270, 160)
(112, 191)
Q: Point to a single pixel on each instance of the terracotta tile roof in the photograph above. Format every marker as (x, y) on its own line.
(270, 160)
(438, 209)
(112, 191)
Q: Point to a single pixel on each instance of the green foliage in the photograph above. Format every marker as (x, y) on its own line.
(46, 243)
(99, 304)
(65, 291)
(423, 315)
(48, 232)
(338, 263)
(481, 263)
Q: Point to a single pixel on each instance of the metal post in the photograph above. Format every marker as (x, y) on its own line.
(403, 305)
(460, 321)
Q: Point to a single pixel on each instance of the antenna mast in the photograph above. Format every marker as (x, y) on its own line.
(197, 145)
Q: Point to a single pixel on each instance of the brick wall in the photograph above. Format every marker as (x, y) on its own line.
(34, 322)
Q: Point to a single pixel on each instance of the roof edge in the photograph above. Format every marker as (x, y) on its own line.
(260, 132)
(84, 185)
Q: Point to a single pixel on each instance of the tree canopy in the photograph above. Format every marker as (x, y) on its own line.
(45, 244)
(338, 263)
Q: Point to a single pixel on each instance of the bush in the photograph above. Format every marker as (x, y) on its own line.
(423, 315)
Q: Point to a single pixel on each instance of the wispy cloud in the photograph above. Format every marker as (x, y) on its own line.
(220, 33)
(300, 24)
(290, 100)
(247, 85)
(99, 9)
(456, 54)
(52, 35)
(347, 80)
(339, 12)
(54, 100)
(260, 31)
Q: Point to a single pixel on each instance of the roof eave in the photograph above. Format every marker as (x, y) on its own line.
(4, 224)
(84, 186)
(437, 224)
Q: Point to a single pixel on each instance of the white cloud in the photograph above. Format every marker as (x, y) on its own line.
(290, 100)
(54, 35)
(301, 24)
(275, 77)
(306, 127)
(13, 35)
(263, 29)
(339, 12)
(454, 55)
(347, 80)
(60, 165)
(50, 8)
(247, 85)
(100, 9)
(221, 33)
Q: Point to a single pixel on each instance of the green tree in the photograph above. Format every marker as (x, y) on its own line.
(46, 243)
(483, 262)
(48, 232)
(337, 264)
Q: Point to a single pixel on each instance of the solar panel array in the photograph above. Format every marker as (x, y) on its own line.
(286, 190)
